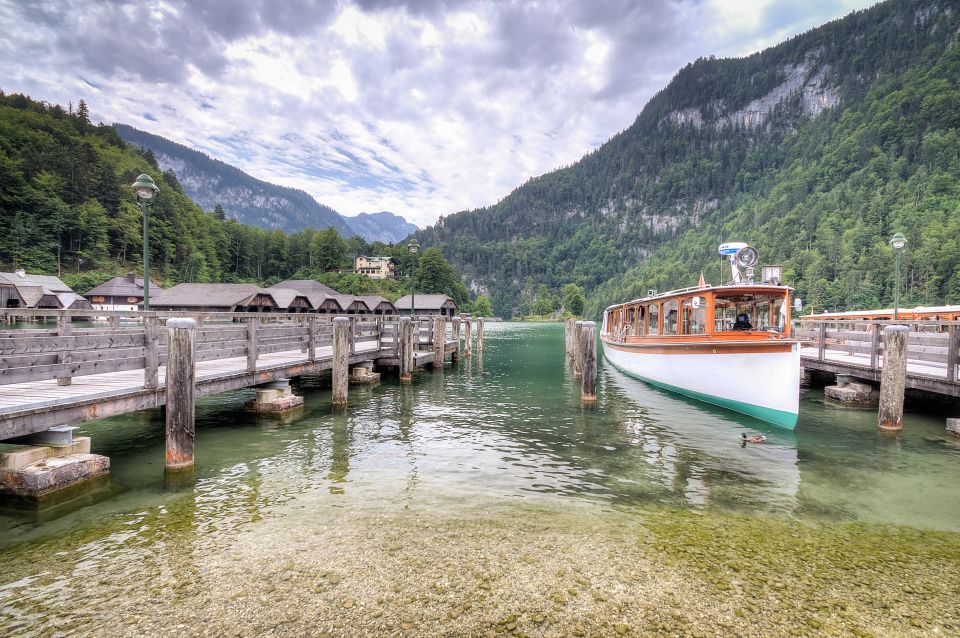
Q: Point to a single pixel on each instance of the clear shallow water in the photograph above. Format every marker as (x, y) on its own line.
(508, 426)
(449, 479)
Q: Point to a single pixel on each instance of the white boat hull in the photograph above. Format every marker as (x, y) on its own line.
(765, 385)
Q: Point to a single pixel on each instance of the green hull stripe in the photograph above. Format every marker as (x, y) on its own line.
(780, 418)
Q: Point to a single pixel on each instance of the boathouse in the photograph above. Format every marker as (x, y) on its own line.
(20, 289)
(320, 301)
(120, 293)
(324, 299)
(353, 305)
(215, 298)
(290, 300)
(378, 305)
(427, 305)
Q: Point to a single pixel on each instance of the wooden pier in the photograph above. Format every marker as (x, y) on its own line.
(856, 349)
(58, 376)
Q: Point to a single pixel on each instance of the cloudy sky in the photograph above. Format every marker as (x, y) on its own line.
(420, 107)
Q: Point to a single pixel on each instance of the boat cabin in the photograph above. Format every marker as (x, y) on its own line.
(736, 311)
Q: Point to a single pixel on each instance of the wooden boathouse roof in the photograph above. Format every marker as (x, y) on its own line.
(126, 286)
(227, 296)
(426, 302)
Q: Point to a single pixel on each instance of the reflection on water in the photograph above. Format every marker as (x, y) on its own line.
(508, 424)
(500, 434)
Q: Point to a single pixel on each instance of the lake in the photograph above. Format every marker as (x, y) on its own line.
(486, 500)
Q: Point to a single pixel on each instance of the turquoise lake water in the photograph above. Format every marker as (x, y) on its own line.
(502, 429)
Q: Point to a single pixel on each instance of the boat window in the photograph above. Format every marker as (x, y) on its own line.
(761, 320)
(694, 319)
(653, 318)
(640, 322)
(628, 324)
(670, 317)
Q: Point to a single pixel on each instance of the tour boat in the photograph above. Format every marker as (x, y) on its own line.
(730, 345)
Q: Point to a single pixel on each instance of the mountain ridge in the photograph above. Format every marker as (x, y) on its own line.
(725, 133)
(210, 181)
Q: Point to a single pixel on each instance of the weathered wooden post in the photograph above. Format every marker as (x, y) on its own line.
(822, 341)
(312, 338)
(874, 346)
(455, 356)
(353, 334)
(64, 329)
(953, 352)
(439, 342)
(588, 349)
(341, 360)
(893, 378)
(405, 335)
(577, 350)
(468, 337)
(180, 417)
(151, 355)
(479, 334)
(114, 321)
(253, 323)
(567, 338)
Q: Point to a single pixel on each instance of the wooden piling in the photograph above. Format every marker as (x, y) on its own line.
(577, 349)
(588, 357)
(468, 337)
(180, 414)
(151, 353)
(455, 356)
(439, 342)
(405, 337)
(114, 321)
(64, 329)
(341, 360)
(893, 378)
(253, 323)
(479, 334)
(312, 338)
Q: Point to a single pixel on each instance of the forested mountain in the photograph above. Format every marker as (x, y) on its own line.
(815, 151)
(383, 226)
(67, 208)
(247, 199)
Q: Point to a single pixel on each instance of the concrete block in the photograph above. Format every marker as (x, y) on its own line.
(20, 459)
(852, 395)
(361, 375)
(953, 427)
(276, 405)
(53, 474)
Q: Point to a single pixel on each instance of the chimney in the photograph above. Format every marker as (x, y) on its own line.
(131, 277)
(21, 273)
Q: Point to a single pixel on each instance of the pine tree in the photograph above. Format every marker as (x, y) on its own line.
(83, 113)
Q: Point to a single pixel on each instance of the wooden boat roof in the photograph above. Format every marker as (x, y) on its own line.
(722, 290)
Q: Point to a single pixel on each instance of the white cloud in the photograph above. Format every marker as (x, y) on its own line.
(411, 107)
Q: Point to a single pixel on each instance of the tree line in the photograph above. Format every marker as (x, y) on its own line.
(66, 208)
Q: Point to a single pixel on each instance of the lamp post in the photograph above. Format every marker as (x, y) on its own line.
(414, 249)
(145, 188)
(899, 242)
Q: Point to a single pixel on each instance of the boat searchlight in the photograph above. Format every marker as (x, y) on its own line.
(743, 258)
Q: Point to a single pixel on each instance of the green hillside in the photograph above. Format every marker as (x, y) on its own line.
(815, 151)
(66, 208)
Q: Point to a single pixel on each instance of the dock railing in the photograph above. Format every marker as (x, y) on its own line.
(88, 342)
(933, 347)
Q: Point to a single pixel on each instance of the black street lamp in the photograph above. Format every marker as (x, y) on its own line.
(414, 249)
(145, 189)
(899, 243)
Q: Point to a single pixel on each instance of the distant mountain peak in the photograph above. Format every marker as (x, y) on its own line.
(382, 226)
(209, 181)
